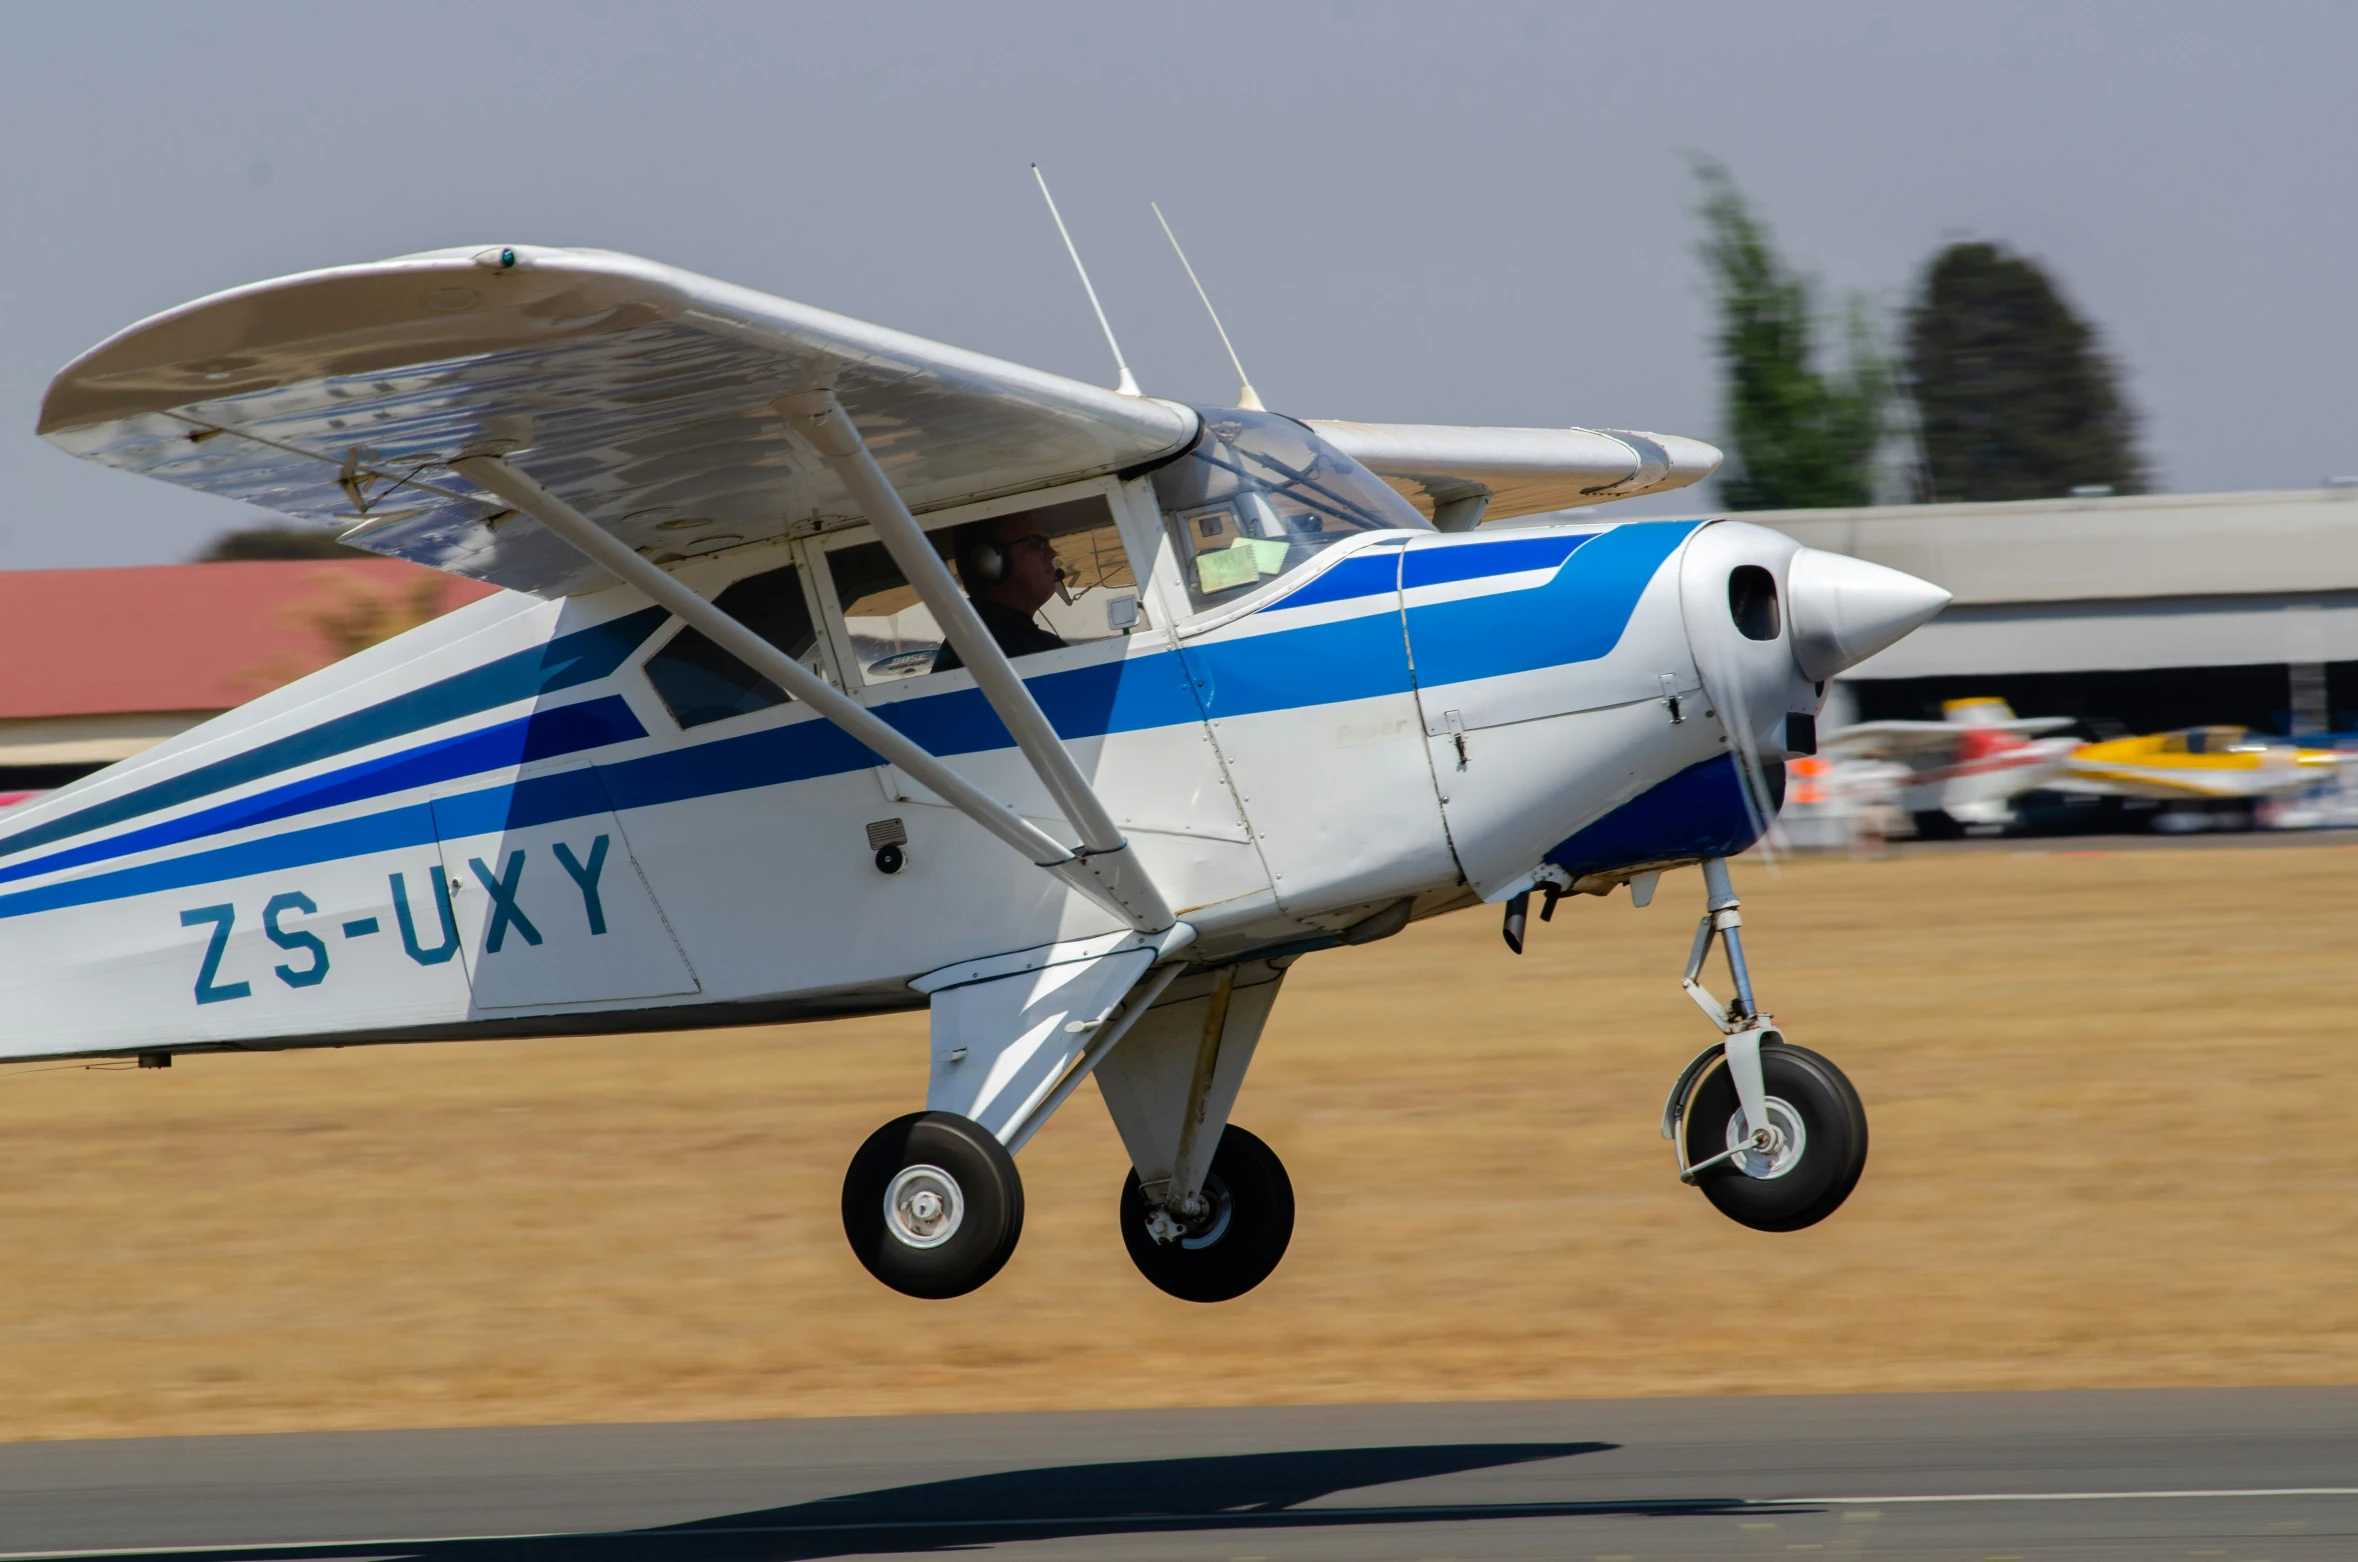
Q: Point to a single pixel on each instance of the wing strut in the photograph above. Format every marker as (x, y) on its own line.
(1114, 890)
(821, 420)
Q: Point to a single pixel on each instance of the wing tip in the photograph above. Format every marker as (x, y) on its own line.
(354, 318)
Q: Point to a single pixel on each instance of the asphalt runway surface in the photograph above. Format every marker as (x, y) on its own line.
(2247, 1475)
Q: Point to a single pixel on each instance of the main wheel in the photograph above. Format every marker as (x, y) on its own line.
(932, 1204)
(1824, 1133)
(1248, 1219)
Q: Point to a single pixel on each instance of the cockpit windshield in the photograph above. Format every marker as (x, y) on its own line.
(1259, 495)
(2221, 740)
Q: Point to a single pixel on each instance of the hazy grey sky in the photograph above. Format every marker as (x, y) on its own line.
(1461, 213)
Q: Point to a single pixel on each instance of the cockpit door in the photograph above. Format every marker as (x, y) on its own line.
(1545, 661)
(1313, 709)
(541, 899)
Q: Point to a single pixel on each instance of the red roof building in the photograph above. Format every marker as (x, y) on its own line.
(97, 664)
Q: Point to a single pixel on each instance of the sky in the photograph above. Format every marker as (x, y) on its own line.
(1421, 213)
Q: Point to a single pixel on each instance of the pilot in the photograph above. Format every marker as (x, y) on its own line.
(1009, 568)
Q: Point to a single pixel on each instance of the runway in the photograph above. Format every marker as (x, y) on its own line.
(2261, 1475)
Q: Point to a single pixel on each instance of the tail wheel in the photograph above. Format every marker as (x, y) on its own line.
(1235, 1244)
(932, 1204)
(1822, 1129)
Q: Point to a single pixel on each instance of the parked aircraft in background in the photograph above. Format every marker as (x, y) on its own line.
(1962, 770)
(707, 761)
(1971, 768)
(2208, 765)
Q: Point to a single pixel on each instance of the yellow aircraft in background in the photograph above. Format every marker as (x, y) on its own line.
(2196, 762)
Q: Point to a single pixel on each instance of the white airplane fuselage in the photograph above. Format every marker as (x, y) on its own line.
(491, 825)
(1980, 784)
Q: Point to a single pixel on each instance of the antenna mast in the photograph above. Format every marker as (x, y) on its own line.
(1129, 382)
(1248, 398)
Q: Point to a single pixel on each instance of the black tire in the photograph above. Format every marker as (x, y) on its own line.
(974, 1183)
(1934, 825)
(1241, 1239)
(1834, 1146)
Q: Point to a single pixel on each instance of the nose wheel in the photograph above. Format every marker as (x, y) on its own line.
(1798, 1167)
(1773, 1134)
(932, 1204)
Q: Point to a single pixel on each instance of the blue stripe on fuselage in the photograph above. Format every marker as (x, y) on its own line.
(1700, 812)
(1438, 565)
(1082, 702)
(565, 662)
(1373, 573)
(1582, 612)
(568, 729)
(1577, 616)
(1350, 659)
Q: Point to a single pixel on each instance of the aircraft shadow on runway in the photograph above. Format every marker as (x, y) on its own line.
(1226, 1492)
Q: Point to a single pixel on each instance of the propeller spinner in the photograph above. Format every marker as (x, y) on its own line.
(1769, 621)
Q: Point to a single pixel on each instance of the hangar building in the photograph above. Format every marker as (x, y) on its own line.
(2150, 611)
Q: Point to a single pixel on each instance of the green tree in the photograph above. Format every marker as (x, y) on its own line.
(276, 542)
(2015, 398)
(1800, 436)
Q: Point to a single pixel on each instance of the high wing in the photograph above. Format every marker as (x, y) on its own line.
(1461, 476)
(646, 394)
(666, 415)
(1925, 739)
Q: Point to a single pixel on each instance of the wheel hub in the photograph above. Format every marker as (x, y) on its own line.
(923, 1207)
(1198, 1222)
(1773, 1149)
(1210, 1226)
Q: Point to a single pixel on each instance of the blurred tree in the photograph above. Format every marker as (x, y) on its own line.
(2014, 398)
(1799, 436)
(344, 613)
(351, 615)
(276, 542)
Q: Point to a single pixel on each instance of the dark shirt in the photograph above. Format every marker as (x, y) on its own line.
(1018, 634)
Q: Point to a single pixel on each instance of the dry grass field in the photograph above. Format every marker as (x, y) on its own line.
(2113, 1143)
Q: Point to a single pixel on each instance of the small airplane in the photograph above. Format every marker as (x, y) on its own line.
(840, 671)
(2205, 762)
(2217, 768)
(1964, 769)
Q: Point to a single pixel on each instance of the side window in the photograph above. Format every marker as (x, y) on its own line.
(1098, 594)
(699, 682)
(1092, 595)
(892, 634)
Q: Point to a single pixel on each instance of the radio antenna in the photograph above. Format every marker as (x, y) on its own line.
(1248, 398)
(1129, 382)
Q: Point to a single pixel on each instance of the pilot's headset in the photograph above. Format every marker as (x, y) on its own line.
(982, 561)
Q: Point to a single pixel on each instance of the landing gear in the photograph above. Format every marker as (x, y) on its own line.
(1772, 1133)
(1817, 1142)
(932, 1204)
(1234, 1237)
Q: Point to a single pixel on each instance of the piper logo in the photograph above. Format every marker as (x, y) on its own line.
(1357, 734)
